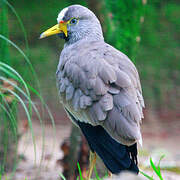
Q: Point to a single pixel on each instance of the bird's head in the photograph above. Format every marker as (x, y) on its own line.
(76, 22)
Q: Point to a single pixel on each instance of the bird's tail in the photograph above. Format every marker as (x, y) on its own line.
(116, 157)
(132, 150)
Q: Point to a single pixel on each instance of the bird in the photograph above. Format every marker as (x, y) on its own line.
(100, 90)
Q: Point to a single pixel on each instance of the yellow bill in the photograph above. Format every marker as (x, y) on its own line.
(58, 28)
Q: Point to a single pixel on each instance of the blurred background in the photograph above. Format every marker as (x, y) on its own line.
(147, 31)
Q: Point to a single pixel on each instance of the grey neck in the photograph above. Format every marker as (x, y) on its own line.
(90, 34)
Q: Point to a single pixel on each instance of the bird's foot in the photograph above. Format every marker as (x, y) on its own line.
(109, 174)
(92, 162)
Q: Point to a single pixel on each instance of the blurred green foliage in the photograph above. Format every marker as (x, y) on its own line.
(147, 31)
(159, 53)
(4, 50)
(124, 19)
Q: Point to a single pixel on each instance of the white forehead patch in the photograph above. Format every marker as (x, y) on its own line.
(61, 15)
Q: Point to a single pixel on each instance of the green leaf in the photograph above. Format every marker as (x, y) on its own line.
(147, 176)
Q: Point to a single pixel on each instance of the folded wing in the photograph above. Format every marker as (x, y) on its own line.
(101, 86)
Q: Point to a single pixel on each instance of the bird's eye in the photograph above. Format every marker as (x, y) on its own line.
(73, 21)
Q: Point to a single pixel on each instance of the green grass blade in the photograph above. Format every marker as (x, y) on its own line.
(17, 75)
(16, 87)
(80, 173)
(161, 159)
(25, 57)
(156, 169)
(159, 169)
(147, 176)
(8, 112)
(106, 175)
(10, 115)
(96, 173)
(8, 70)
(20, 23)
(20, 51)
(62, 176)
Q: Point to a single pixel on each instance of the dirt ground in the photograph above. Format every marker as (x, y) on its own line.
(41, 163)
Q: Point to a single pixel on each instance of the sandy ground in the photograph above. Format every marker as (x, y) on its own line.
(157, 140)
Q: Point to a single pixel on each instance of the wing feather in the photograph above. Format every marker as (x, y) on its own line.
(69, 92)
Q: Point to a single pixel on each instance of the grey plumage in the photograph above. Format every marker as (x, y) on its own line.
(106, 88)
(97, 83)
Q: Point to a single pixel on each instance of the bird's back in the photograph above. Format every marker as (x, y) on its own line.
(99, 85)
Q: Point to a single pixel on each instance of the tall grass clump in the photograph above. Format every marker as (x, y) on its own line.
(156, 169)
(15, 93)
(10, 95)
(8, 106)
